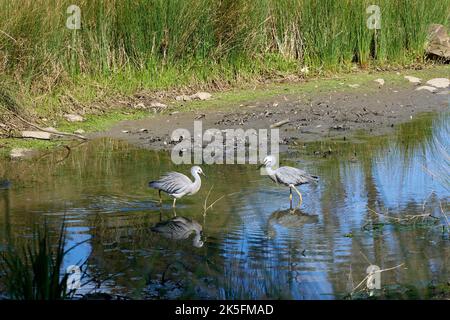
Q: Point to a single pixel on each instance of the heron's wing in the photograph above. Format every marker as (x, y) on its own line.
(290, 175)
(176, 228)
(172, 183)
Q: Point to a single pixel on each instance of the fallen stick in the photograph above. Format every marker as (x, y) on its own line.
(279, 124)
(51, 131)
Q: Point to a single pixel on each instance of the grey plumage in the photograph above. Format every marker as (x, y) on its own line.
(177, 184)
(293, 176)
(171, 183)
(180, 228)
(288, 176)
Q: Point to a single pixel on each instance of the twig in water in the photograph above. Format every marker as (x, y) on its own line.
(205, 207)
(378, 271)
(445, 216)
(405, 219)
(279, 124)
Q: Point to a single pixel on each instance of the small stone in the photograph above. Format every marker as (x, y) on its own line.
(41, 135)
(202, 96)
(73, 117)
(183, 97)
(380, 81)
(156, 104)
(428, 88)
(412, 79)
(439, 82)
(51, 129)
(353, 85)
(79, 131)
(125, 131)
(140, 105)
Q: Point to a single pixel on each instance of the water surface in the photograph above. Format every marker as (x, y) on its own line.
(254, 246)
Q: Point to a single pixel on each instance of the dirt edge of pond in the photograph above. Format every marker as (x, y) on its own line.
(300, 117)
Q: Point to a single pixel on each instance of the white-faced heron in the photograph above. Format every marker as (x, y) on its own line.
(288, 176)
(180, 228)
(177, 185)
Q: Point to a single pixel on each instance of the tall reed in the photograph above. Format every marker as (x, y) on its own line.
(165, 43)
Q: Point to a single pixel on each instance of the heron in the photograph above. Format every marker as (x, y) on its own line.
(180, 228)
(177, 185)
(288, 176)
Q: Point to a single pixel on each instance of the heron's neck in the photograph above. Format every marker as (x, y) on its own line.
(196, 242)
(197, 179)
(270, 171)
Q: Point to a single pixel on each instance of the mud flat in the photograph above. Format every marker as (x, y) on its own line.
(300, 118)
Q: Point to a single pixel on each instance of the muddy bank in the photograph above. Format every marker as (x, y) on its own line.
(302, 118)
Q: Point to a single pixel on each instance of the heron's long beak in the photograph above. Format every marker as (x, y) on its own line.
(261, 165)
(204, 174)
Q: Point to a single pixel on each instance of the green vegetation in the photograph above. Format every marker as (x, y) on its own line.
(129, 46)
(33, 271)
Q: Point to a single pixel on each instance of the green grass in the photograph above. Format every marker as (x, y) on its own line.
(128, 46)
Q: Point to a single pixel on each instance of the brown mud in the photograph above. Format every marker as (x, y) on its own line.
(309, 117)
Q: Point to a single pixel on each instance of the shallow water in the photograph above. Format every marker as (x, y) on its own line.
(254, 247)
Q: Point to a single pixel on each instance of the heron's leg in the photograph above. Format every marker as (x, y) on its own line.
(160, 198)
(299, 194)
(174, 201)
(290, 196)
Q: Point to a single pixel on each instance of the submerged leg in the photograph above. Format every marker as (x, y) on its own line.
(290, 197)
(174, 201)
(160, 198)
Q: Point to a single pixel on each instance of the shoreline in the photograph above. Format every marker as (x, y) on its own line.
(316, 109)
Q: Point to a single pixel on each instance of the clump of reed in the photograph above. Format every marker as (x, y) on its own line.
(33, 271)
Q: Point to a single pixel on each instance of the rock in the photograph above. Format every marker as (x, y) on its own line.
(380, 81)
(304, 70)
(37, 135)
(413, 79)
(202, 96)
(438, 42)
(445, 92)
(79, 131)
(428, 88)
(439, 82)
(73, 117)
(139, 106)
(156, 104)
(353, 85)
(51, 129)
(21, 153)
(183, 97)
(197, 96)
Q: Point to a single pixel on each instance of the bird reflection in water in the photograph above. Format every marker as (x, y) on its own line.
(289, 219)
(180, 228)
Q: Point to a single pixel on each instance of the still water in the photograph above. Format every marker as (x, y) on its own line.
(253, 245)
